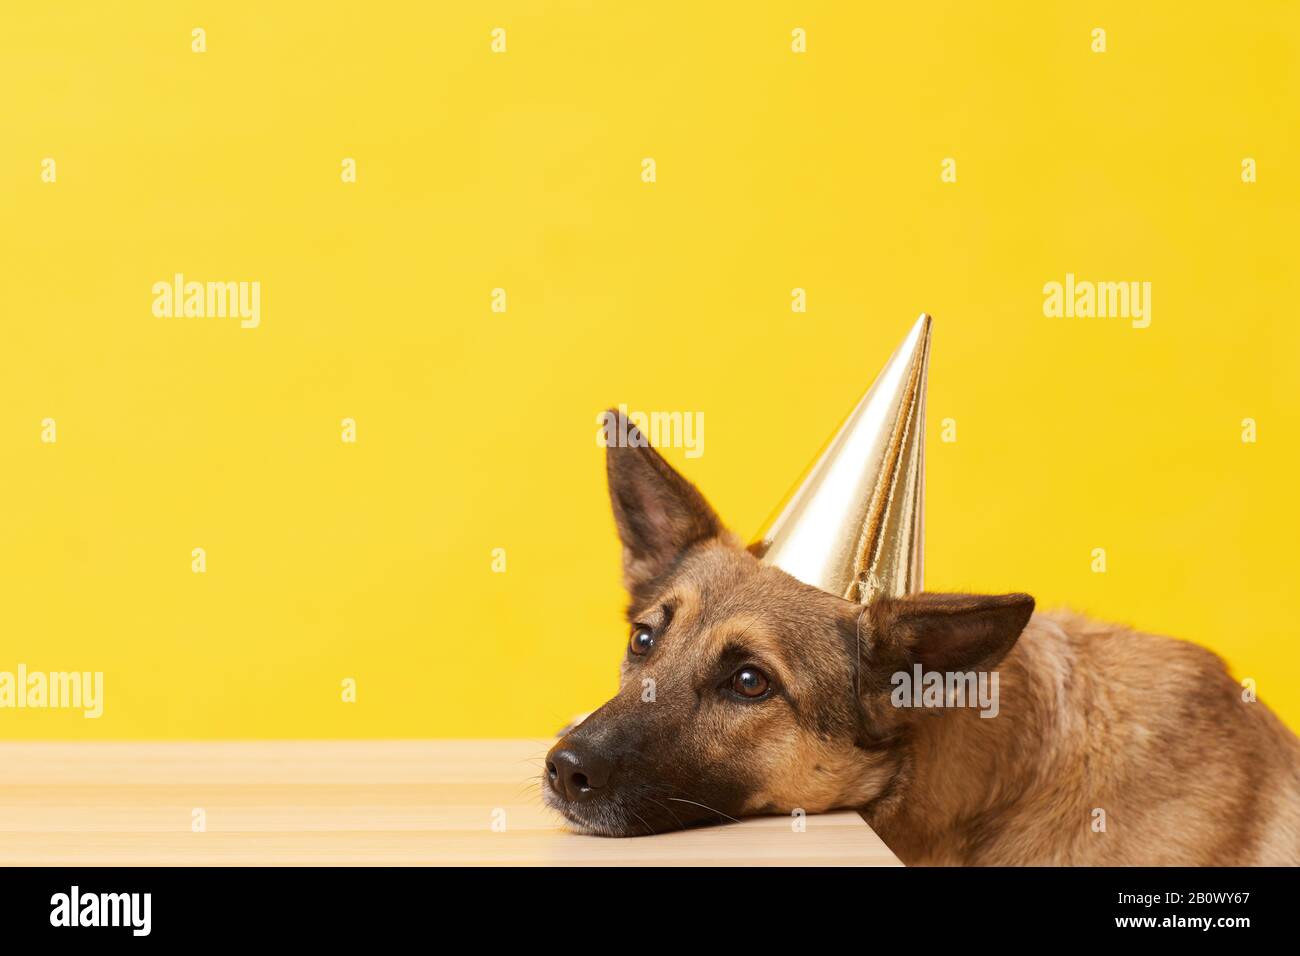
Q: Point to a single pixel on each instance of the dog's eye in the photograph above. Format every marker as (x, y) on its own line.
(642, 640)
(750, 682)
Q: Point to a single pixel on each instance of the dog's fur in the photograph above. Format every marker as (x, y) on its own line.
(1109, 747)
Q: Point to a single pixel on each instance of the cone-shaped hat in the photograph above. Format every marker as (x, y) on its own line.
(853, 525)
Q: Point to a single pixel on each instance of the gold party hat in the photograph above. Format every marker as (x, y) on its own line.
(853, 525)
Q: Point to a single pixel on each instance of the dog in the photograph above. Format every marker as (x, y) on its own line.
(744, 691)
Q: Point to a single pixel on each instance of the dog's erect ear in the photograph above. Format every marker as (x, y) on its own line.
(947, 632)
(658, 512)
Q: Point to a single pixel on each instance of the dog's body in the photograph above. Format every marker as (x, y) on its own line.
(1100, 726)
(746, 691)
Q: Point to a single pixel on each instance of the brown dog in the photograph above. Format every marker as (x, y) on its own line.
(745, 691)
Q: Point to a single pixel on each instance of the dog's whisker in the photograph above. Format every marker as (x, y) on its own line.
(706, 807)
(648, 829)
(669, 809)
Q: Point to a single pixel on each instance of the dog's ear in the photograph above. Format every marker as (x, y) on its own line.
(946, 632)
(658, 512)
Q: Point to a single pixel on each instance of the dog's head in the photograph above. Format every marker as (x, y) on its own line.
(743, 690)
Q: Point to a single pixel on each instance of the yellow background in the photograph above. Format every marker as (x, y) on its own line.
(477, 430)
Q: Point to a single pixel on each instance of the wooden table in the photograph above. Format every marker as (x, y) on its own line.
(348, 802)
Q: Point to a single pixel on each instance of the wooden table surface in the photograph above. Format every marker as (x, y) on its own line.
(348, 803)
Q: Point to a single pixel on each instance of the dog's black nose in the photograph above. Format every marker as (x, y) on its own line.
(576, 772)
